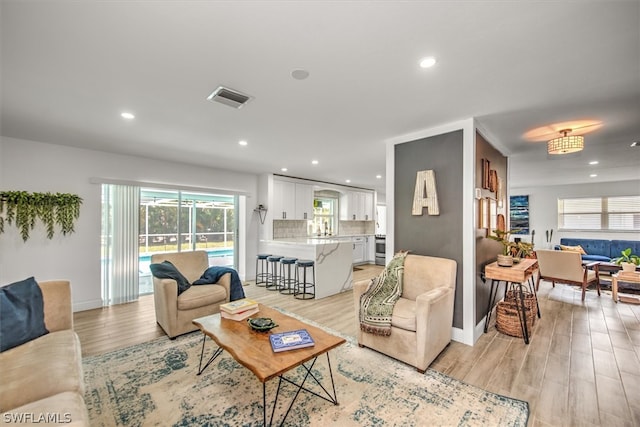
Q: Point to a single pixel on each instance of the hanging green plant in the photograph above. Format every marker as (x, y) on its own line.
(23, 209)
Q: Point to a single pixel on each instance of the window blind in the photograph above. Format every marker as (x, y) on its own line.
(599, 213)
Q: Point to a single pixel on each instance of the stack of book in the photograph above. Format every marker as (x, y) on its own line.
(239, 309)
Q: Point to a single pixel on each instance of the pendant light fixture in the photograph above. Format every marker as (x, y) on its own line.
(565, 144)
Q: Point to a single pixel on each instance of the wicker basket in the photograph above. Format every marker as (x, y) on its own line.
(507, 321)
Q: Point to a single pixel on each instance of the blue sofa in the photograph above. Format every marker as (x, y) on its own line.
(600, 249)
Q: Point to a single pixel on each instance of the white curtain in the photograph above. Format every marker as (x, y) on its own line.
(120, 265)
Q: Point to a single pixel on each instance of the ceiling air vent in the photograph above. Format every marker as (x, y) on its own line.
(230, 97)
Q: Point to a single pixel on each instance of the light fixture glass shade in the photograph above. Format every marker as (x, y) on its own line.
(565, 144)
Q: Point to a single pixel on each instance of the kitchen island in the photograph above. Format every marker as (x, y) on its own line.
(333, 258)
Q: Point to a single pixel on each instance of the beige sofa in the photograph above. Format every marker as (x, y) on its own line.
(423, 316)
(43, 377)
(174, 313)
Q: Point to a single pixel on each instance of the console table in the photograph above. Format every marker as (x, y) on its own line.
(517, 275)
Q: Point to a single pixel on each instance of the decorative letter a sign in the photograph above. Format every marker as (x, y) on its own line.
(425, 195)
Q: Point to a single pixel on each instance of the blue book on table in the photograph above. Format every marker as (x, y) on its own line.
(290, 340)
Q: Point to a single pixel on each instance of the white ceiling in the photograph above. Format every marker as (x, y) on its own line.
(70, 67)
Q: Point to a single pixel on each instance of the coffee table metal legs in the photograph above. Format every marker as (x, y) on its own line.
(329, 397)
(216, 353)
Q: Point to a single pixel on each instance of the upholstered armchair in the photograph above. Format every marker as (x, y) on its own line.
(174, 312)
(566, 267)
(422, 318)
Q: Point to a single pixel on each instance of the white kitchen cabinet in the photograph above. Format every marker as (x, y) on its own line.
(303, 201)
(358, 250)
(284, 194)
(368, 210)
(346, 206)
(357, 205)
(370, 249)
(292, 200)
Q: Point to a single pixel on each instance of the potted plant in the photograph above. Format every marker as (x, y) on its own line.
(627, 260)
(510, 250)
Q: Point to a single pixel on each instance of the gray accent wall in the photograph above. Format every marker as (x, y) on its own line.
(440, 235)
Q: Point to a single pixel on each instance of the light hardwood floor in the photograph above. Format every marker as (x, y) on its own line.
(582, 367)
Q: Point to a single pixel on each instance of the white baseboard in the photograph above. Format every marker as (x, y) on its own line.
(458, 334)
(478, 330)
(87, 305)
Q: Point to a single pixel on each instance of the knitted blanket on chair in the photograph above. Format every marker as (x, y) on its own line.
(376, 304)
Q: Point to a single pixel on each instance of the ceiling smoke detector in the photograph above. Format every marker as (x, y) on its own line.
(230, 97)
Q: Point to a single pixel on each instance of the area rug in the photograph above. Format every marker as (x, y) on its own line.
(155, 384)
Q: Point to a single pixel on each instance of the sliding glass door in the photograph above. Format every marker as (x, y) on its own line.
(177, 221)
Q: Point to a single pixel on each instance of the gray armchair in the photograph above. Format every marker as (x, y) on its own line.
(566, 267)
(422, 318)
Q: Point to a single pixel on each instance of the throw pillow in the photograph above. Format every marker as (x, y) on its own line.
(166, 270)
(21, 313)
(577, 248)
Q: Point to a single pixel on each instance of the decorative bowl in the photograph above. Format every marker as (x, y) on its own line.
(261, 324)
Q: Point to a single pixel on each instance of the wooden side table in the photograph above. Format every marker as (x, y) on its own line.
(623, 276)
(517, 275)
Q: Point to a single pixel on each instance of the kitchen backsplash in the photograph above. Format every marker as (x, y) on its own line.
(283, 229)
(349, 228)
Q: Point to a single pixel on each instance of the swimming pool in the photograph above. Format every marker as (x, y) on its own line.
(211, 252)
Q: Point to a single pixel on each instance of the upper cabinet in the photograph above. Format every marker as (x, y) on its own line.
(304, 201)
(292, 200)
(369, 208)
(283, 199)
(357, 205)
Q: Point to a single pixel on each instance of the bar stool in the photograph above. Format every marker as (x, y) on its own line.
(287, 278)
(304, 289)
(273, 282)
(262, 270)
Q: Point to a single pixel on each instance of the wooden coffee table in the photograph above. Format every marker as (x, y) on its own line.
(253, 350)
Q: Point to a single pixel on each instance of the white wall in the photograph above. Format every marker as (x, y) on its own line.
(543, 208)
(40, 167)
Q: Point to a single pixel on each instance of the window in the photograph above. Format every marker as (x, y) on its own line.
(324, 216)
(179, 221)
(600, 213)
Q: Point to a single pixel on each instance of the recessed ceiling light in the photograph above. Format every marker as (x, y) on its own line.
(314, 162)
(128, 116)
(284, 169)
(593, 175)
(299, 74)
(243, 142)
(379, 176)
(428, 62)
(595, 162)
(347, 181)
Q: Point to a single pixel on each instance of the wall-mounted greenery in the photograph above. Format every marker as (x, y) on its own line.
(23, 209)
